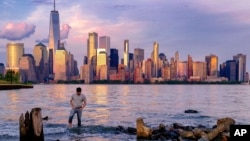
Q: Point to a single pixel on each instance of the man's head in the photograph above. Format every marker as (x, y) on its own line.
(78, 90)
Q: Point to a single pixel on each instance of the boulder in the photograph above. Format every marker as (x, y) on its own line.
(191, 111)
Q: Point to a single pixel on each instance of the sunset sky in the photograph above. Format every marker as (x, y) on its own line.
(195, 27)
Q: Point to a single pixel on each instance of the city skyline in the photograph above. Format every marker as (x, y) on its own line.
(195, 28)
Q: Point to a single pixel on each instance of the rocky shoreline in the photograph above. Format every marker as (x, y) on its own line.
(179, 132)
(14, 86)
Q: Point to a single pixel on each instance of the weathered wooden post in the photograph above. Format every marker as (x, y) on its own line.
(31, 127)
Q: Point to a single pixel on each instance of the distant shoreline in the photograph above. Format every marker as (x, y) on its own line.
(15, 86)
(149, 83)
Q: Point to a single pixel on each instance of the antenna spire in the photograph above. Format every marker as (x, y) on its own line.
(54, 5)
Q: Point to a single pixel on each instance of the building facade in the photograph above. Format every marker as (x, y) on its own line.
(14, 52)
(126, 54)
(27, 68)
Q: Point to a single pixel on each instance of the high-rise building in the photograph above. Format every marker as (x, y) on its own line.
(231, 70)
(189, 67)
(27, 68)
(40, 55)
(241, 66)
(87, 71)
(131, 62)
(182, 69)
(138, 75)
(2, 69)
(92, 50)
(104, 42)
(155, 59)
(165, 72)
(61, 65)
(176, 61)
(114, 58)
(14, 52)
(54, 37)
(148, 69)
(126, 54)
(212, 65)
(85, 60)
(102, 64)
(199, 70)
(138, 56)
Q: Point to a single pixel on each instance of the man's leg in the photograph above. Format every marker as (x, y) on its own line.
(71, 116)
(79, 116)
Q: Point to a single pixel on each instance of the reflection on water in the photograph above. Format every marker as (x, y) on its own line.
(113, 105)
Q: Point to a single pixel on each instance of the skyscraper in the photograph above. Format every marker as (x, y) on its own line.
(199, 70)
(155, 58)
(92, 50)
(126, 54)
(138, 56)
(241, 66)
(2, 69)
(27, 68)
(61, 64)
(189, 67)
(231, 70)
(104, 42)
(40, 55)
(212, 65)
(54, 37)
(102, 64)
(14, 52)
(114, 58)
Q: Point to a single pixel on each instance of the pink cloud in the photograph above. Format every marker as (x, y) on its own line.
(17, 31)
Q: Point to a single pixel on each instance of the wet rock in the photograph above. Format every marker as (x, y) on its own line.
(198, 133)
(187, 135)
(178, 126)
(121, 129)
(131, 130)
(162, 128)
(223, 125)
(191, 111)
(142, 131)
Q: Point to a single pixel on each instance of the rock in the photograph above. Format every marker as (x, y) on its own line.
(223, 125)
(142, 130)
(191, 111)
(203, 139)
(120, 129)
(178, 126)
(198, 133)
(187, 135)
(162, 128)
(131, 130)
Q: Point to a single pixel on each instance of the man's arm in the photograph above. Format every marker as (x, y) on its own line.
(71, 102)
(84, 102)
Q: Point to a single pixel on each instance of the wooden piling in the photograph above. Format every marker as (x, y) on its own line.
(31, 126)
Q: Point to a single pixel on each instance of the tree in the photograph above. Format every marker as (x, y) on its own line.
(1, 77)
(12, 76)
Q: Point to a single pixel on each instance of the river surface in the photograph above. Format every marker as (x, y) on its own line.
(112, 105)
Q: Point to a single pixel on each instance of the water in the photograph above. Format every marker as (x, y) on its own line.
(112, 105)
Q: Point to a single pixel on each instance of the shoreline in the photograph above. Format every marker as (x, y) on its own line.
(15, 86)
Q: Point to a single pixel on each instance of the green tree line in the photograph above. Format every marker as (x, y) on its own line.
(11, 76)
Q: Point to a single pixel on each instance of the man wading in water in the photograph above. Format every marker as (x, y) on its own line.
(78, 101)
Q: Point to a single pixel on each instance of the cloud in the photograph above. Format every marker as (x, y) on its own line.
(17, 31)
(64, 32)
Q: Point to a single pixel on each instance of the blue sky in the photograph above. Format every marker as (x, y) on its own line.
(195, 27)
